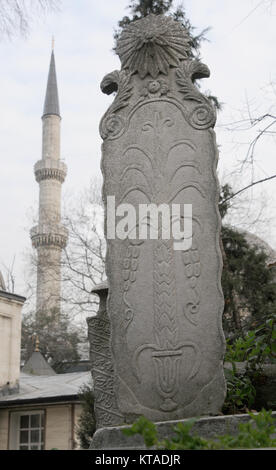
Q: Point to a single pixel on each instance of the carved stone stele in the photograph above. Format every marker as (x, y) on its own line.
(165, 306)
(106, 411)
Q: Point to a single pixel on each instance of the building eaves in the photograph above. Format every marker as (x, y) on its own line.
(44, 389)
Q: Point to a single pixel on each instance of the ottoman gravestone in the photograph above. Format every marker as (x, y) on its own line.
(106, 411)
(164, 303)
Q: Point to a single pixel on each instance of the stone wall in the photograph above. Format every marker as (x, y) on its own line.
(207, 428)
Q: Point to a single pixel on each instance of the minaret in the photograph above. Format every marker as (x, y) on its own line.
(49, 237)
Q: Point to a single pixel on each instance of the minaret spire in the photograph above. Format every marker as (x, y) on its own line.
(49, 237)
(51, 103)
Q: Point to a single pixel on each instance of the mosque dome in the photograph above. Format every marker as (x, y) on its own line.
(255, 241)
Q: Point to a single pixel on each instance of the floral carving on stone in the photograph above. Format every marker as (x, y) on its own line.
(152, 44)
(155, 88)
(112, 124)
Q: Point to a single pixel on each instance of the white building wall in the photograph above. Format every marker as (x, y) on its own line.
(10, 340)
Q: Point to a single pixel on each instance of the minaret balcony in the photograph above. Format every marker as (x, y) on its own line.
(49, 168)
(49, 235)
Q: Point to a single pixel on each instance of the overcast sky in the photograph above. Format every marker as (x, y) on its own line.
(240, 53)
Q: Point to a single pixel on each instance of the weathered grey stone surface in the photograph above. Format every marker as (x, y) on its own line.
(207, 428)
(165, 306)
(106, 411)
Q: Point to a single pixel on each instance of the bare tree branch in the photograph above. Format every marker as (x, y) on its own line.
(9, 276)
(247, 187)
(16, 16)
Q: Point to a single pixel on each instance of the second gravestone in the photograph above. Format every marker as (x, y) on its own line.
(165, 304)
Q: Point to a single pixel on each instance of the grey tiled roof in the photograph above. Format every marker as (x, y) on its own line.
(43, 388)
(51, 103)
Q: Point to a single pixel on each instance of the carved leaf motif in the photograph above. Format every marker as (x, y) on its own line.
(124, 92)
(112, 124)
(196, 69)
(110, 82)
(192, 184)
(131, 265)
(191, 260)
(165, 324)
(203, 115)
(187, 88)
(185, 76)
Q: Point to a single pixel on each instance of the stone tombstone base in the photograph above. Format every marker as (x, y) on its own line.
(112, 438)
